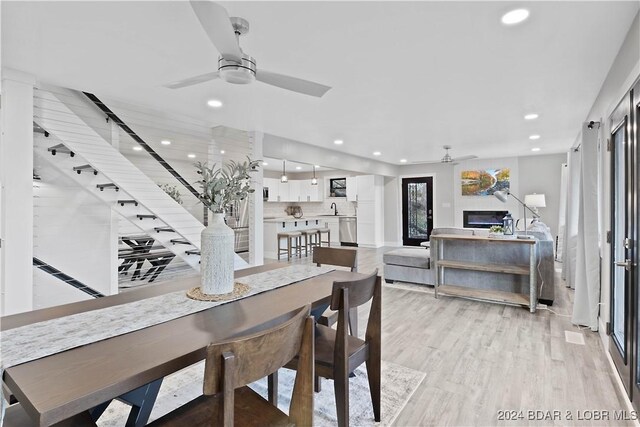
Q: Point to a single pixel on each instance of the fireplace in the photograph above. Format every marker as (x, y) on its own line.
(482, 219)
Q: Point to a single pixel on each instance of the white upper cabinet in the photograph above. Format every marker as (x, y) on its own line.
(352, 189)
(273, 185)
(295, 190)
(366, 186)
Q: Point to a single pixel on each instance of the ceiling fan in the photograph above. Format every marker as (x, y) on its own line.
(235, 66)
(447, 158)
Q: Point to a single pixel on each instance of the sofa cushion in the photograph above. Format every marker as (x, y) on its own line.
(417, 257)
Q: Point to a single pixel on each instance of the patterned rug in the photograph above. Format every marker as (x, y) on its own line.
(398, 384)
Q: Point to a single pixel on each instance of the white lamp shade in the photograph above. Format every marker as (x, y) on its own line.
(535, 200)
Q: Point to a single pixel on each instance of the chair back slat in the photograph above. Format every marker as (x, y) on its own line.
(341, 257)
(360, 291)
(256, 355)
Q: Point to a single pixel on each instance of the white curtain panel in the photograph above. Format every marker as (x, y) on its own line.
(570, 239)
(562, 212)
(586, 275)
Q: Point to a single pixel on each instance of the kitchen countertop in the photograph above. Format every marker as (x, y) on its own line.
(306, 218)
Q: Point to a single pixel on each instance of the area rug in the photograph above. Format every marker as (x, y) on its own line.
(398, 385)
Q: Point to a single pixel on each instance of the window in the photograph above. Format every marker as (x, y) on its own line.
(338, 187)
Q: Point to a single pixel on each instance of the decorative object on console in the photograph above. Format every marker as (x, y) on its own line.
(284, 178)
(484, 182)
(507, 225)
(502, 196)
(221, 188)
(496, 231)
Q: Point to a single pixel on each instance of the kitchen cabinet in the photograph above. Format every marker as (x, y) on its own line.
(370, 198)
(273, 185)
(333, 224)
(296, 190)
(283, 191)
(352, 189)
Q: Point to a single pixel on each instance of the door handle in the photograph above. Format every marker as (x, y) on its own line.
(626, 264)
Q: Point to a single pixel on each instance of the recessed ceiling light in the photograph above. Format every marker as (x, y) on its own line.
(214, 103)
(376, 153)
(137, 148)
(265, 164)
(191, 156)
(165, 142)
(221, 151)
(403, 160)
(531, 116)
(338, 142)
(298, 167)
(535, 149)
(534, 137)
(317, 166)
(515, 16)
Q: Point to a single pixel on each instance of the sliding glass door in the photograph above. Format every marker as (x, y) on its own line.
(417, 210)
(624, 216)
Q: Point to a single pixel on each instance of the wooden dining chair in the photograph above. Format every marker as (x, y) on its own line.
(231, 365)
(337, 353)
(341, 257)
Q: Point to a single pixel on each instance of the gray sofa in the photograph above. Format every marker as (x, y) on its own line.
(413, 265)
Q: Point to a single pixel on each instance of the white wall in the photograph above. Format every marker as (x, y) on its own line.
(72, 231)
(16, 219)
(623, 73)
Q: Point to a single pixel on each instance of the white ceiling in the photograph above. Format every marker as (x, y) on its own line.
(407, 77)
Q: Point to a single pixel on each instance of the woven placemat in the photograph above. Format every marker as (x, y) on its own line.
(239, 289)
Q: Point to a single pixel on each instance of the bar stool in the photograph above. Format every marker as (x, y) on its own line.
(293, 237)
(321, 231)
(310, 240)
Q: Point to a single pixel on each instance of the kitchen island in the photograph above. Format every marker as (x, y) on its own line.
(273, 226)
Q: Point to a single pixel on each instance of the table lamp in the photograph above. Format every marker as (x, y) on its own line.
(503, 196)
(535, 201)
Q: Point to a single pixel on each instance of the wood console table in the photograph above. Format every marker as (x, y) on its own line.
(440, 263)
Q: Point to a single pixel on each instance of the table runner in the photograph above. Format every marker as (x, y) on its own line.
(37, 340)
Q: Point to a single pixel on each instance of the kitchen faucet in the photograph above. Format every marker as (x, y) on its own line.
(334, 207)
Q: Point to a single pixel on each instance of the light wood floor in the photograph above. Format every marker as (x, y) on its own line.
(481, 358)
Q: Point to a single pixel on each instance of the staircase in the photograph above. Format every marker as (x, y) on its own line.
(79, 151)
(66, 278)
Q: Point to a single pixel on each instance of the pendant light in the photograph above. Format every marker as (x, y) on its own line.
(314, 180)
(284, 178)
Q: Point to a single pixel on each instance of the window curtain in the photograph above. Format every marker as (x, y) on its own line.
(562, 213)
(585, 271)
(570, 238)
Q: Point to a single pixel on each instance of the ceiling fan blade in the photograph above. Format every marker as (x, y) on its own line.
(430, 162)
(215, 22)
(292, 83)
(461, 158)
(193, 80)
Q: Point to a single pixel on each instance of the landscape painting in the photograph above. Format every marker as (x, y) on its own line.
(484, 182)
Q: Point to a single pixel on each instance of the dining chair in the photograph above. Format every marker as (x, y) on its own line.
(233, 364)
(337, 353)
(341, 257)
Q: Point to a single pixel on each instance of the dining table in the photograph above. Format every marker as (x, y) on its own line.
(58, 386)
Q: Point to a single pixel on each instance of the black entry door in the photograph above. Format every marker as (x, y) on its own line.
(417, 210)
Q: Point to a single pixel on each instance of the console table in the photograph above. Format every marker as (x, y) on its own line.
(482, 259)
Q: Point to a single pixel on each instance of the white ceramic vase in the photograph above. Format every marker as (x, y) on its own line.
(216, 257)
